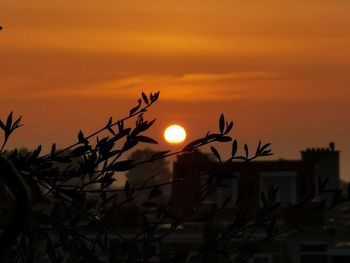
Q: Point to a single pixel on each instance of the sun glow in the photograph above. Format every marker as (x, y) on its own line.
(174, 134)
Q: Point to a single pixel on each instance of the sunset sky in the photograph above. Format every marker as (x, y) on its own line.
(280, 69)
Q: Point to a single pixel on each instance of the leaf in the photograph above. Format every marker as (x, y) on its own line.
(144, 97)
(195, 143)
(121, 134)
(146, 139)
(266, 153)
(8, 126)
(214, 136)
(2, 125)
(9, 121)
(130, 144)
(258, 149)
(135, 109)
(216, 153)
(246, 151)
(141, 127)
(224, 139)
(139, 119)
(122, 166)
(234, 148)
(17, 123)
(109, 123)
(53, 149)
(105, 146)
(265, 147)
(81, 138)
(229, 127)
(111, 130)
(107, 181)
(36, 152)
(222, 123)
(156, 95)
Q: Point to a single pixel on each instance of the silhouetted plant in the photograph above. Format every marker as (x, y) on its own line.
(148, 174)
(62, 205)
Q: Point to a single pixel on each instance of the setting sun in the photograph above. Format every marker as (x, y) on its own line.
(174, 134)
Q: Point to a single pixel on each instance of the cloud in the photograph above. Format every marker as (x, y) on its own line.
(184, 87)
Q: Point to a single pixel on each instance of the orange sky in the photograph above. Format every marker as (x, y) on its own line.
(280, 70)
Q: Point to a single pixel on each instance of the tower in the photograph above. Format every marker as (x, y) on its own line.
(187, 176)
(326, 161)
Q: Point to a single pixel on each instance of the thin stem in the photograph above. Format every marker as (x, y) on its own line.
(130, 116)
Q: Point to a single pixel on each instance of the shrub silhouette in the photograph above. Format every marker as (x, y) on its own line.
(148, 174)
(62, 206)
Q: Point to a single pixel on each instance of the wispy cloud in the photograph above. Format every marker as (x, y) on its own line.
(185, 87)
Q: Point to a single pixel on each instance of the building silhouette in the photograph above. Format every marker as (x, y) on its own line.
(315, 238)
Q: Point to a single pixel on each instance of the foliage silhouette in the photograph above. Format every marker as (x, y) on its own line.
(150, 173)
(63, 207)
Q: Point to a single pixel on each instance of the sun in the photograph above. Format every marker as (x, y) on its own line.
(174, 134)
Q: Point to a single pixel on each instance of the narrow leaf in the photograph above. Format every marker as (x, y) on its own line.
(146, 139)
(53, 149)
(222, 123)
(195, 143)
(216, 153)
(111, 130)
(81, 137)
(136, 108)
(144, 97)
(224, 139)
(36, 152)
(121, 134)
(109, 123)
(156, 96)
(258, 149)
(2, 125)
(17, 123)
(229, 127)
(234, 148)
(265, 147)
(246, 151)
(9, 121)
